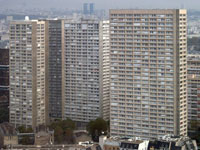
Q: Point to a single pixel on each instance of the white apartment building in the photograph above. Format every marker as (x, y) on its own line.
(148, 73)
(80, 70)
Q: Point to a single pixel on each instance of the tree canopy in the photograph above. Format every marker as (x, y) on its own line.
(63, 131)
(97, 128)
(195, 127)
(25, 139)
(23, 129)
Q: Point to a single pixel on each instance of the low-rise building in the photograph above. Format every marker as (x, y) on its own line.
(81, 136)
(8, 135)
(129, 145)
(167, 142)
(44, 138)
(64, 147)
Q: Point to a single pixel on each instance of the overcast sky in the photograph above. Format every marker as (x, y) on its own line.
(100, 4)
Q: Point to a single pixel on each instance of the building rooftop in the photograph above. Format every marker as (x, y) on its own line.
(165, 142)
(7, 129)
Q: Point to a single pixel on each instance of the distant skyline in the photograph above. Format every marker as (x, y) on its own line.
(99, 4)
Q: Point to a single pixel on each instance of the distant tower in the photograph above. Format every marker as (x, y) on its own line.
(85, 8)
(91, 8)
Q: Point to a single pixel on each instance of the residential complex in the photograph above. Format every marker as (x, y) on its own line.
(130, 69)
(148, 73)
(105, 68)
(80, 71)
(54, 71)
(28, 82)
(193, 65)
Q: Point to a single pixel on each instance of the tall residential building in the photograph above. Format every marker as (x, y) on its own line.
(4, 84)
(85, 9)
(28, 77)
(80, 71)
(193, 65)
(88, 8)
(105, 68)
(91, 8)
(148, 73)
(55, 68)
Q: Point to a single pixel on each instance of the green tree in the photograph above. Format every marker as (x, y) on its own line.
(68, 124)
(23, 129)
(26, 140)
(29, 130)
(58, 134)
(194, 128)
(63, 131)
(97, 128)
(197, 136)
(69, 136)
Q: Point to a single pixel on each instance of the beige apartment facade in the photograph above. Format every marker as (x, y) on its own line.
(148, 73)
(104, 54)
(193, 68)
(28, 65)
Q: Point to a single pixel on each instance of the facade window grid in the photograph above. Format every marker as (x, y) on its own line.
(160, 45)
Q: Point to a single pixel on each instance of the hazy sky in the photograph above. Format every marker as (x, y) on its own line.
(77, 4)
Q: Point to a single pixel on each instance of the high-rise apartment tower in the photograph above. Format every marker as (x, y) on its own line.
(148, 73)
(4, 84)
(193, 65)
(55, 68)
(28, 77)
(80, 72)
(105, 68)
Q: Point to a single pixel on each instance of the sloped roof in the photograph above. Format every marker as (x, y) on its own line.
(7, 129)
